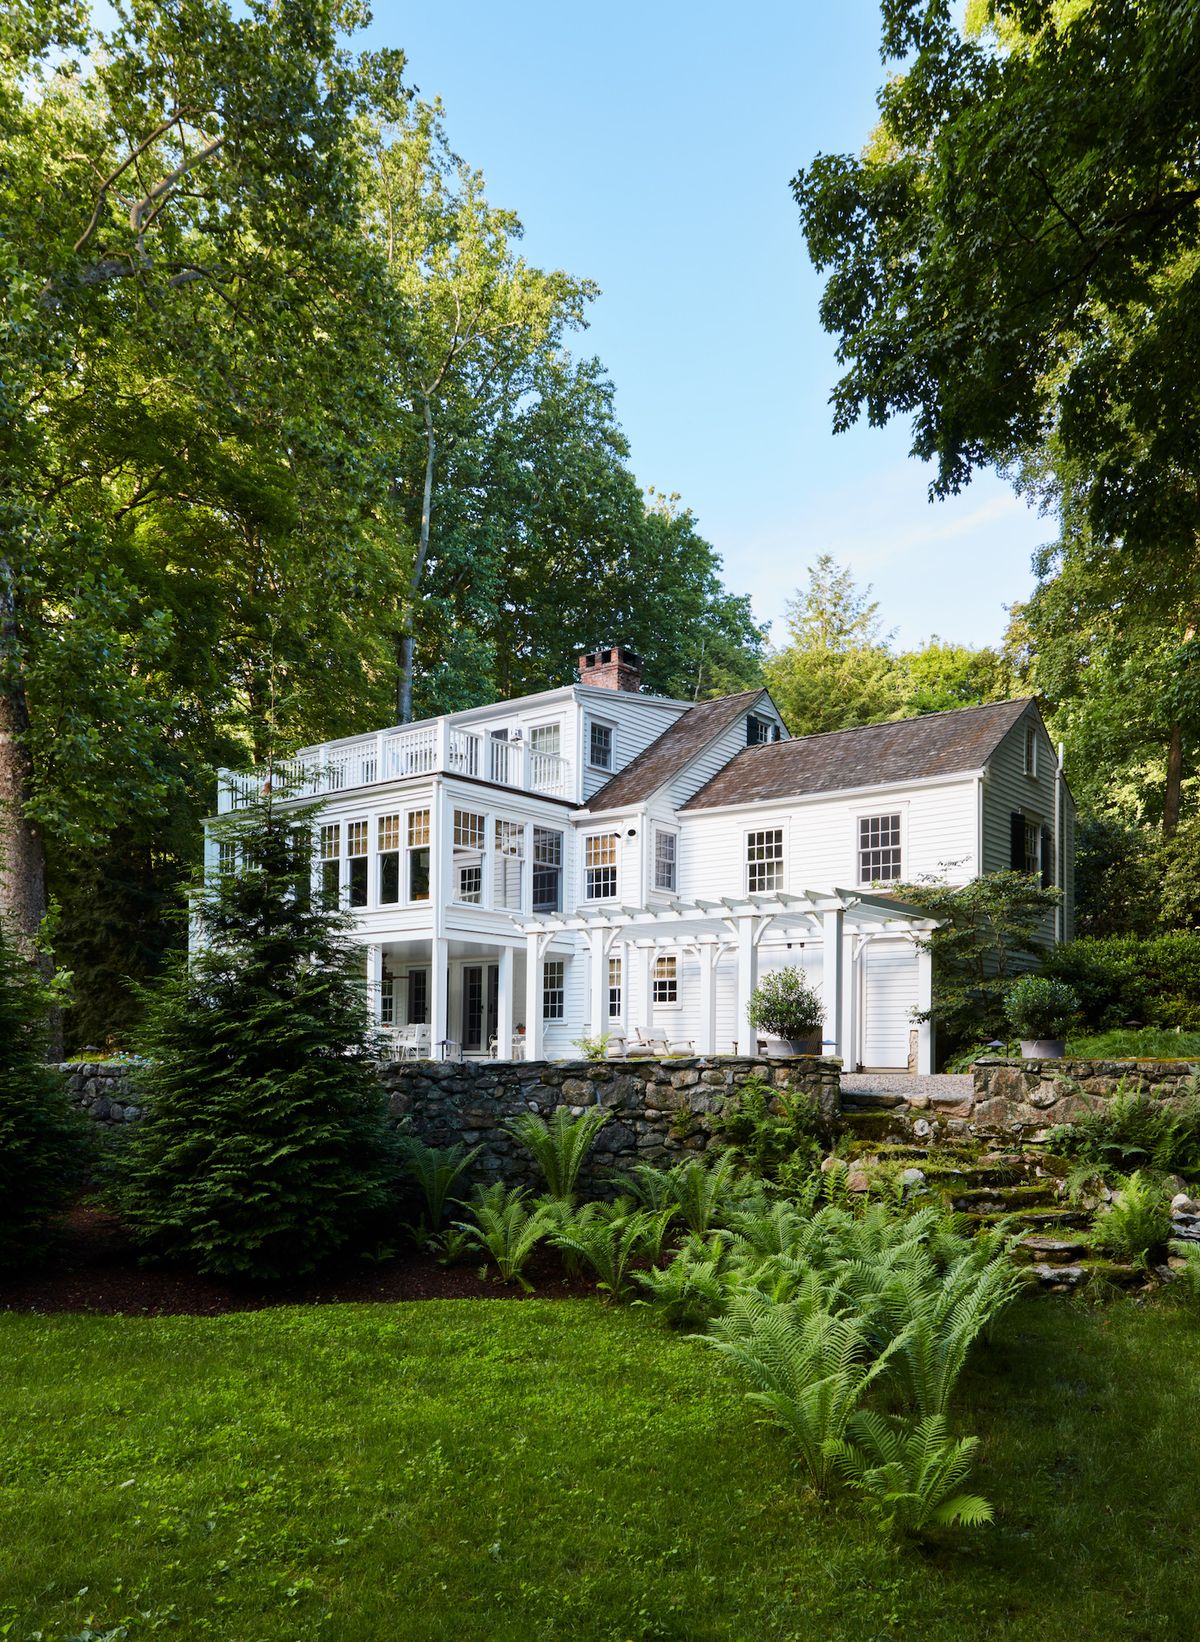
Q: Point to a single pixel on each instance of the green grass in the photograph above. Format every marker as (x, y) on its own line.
(481, 1469)
(1147, 1043)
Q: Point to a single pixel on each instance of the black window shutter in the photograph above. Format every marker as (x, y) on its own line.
(1016, 841)
(1047, 858)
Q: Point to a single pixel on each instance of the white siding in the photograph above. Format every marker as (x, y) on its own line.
(638, 720)
(715, 757)
(889, 995)
(1008, 790)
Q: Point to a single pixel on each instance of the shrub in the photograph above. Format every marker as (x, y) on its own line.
(560, 1146)
(765, 1141)
(1137, 1223)
(1037, 1006)
(1154, 980)
(911, 1475)
(43, 1143)
(784, 1005)
(265, 1146)
(506, 1225)
(1131, 1130)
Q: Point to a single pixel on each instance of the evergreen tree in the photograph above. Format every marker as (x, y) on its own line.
(41, 1140)
(265, 1147)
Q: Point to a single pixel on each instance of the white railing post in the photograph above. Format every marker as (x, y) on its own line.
(441, 749)
(524, 778)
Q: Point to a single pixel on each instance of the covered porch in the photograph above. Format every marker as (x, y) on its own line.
(727, 943)
(447, 997)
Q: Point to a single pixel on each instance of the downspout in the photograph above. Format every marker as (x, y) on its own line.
(1060, 865)
(979, 825)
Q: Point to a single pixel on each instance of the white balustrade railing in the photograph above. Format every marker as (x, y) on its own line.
(396, 755)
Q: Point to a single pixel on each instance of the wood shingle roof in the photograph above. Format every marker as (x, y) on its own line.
(673, 751)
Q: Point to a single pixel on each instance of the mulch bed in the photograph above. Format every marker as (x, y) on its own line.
(93, 1268)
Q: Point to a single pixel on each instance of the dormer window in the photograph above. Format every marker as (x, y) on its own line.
(1031, 749)
(600, 745)
(759, 730)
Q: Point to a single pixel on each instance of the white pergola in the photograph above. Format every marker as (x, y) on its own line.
(843, 921)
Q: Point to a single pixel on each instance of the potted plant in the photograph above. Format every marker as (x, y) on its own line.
(1041, 1012)
(785, 1006)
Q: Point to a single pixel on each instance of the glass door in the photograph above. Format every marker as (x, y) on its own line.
(480, 1005)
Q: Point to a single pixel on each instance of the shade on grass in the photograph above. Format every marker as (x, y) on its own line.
(474, 1469)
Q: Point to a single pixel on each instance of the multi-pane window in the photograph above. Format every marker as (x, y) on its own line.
(356, 852)
(388, 839)
(227, 857)
(1033, 847)
(1031, 749)
(387, 1002)
(665, 844)
(600, 866)
(509, 864)
(666, 980)
(547, 869)
(546, 738)
(418, 855)
(600, 746)
(614, 989)
(764, 860)
(330, 855)
(758, 730)
(418, 997)
(470, 832)
(879, 849)
(553, 990)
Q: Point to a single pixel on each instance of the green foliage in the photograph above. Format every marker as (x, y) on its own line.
(993, 927)
(593, 1048)
(1137, 1224)
(1132, 1043)
(435, 1171)
(1117, 886)
(1188, 1274)
(560, 1146)
(265, 1147)
(785, 1005)
(1038, 1006)
(1154, 980)
(609, 1237)
(43, 1146)
(690, 1291)
(911, 1476)
(939, 1316)
(508, 1227)
(770, 1142)
(1130, 1130)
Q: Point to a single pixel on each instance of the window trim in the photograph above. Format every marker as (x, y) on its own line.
(1029, 752)
(900, 811)
(656, 833)
(560, 988)
(782, 829)
(614, 866)
(670, 979)
(596, 722)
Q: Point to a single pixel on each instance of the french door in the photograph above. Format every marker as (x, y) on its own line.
(480, 1005)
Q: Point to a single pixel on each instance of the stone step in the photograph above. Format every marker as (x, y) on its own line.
(1003, 1199)
(1039, 1249)
(870, 1100)
(1078, 1275)
(1035, 1219)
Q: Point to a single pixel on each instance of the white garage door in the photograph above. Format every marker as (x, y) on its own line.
(889, 997)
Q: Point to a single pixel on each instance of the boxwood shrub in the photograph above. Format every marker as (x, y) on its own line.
(1152, 979)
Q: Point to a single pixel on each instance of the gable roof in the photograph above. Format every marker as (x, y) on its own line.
(874, 755)
(674, 750)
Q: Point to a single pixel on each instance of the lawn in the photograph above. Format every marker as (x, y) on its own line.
(473, 1469)
(1147, 1043)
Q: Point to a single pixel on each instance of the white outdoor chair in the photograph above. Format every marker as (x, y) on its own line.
(616, 1047)
(412, 1042)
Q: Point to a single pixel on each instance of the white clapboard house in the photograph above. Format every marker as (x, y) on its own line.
(594, 860)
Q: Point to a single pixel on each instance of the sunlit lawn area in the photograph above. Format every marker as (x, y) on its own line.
(471, 1469)
(1148, 1042)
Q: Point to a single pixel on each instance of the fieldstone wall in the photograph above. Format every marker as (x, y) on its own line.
(662, 1109)
(1023, 1095)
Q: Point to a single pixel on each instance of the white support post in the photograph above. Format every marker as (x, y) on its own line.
(439, 1001)
(646, 989)
(709, 953)
(599, 1012)
(442, 744)
(851, 982)
(924, 1002)
(747, 980)
(832, 927)
(533, 996)
(375, 983)
(504, 1004)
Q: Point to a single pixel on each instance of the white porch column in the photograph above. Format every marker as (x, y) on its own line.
(645, 969)
(851, 982)
(599, 1012)
(924, 1001)
(504, 1004)
(439, 984)
(709, 953)
(832, 926)
(375, 984)
(747, 980)
(533, 996)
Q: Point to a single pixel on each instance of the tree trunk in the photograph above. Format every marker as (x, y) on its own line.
(404, 703)
(22, 855)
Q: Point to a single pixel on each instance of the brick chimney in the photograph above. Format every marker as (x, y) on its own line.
(612, 669)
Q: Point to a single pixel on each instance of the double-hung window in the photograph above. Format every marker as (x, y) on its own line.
(600, 866)
(418, 855)
(758, 730)
(665, 868)
(227, 856)
(879, 849)
(547, 869)
(764, 860)
(356, 853)
(508, 875)
(600, 745)
(1033, 847)
(330, 856)
(614, 989)
(545, 740)
(666, 980)
(388, 839)
(470, 834)
(553, 989)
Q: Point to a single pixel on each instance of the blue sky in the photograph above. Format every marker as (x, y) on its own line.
(649, 146)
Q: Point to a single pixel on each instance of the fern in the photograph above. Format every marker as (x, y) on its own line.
(688, 1292)
(506, 1228)
(1188, 1275)
(435, 1171)
(560, 1146)
(1137, 1223)
(703, 1194)
(610, 1237)
(911, 1475)
(938, 1318)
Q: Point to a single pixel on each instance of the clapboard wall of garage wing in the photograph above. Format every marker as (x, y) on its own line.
(937, 827)
(1010, 788)
(635, 720)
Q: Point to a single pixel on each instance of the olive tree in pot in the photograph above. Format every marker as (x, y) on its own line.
(784, 1005)
(1041, 1011)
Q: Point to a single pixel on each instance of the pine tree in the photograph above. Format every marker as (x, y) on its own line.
(265, 1147)
(42, 1142)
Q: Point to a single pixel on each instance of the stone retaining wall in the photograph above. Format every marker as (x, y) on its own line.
(662, 1109)
(1039, 1094)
